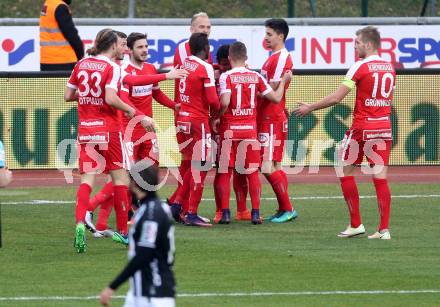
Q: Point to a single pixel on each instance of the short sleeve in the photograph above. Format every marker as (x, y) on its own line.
(209, 79)
(283, 64)
(353, 75)
(263, 87)
(73, 80)
(225, 83)
(114, 74)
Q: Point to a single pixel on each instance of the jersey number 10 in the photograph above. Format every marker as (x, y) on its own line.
(384, 91)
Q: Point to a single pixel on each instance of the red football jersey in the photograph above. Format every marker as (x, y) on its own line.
(91, 76)
(141, 95)
(241, 114)
(273, 70)
(182, 52)
(374, 79)
(193, 89)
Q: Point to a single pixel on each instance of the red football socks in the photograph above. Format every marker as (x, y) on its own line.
(241, 189)
(223, 188)
(278, 180)
(254, 189)
(82, 202)
(196, 192)
(217, 196)
(180, 194)
(105, 209)
(105, 193)
(121, 207)
(351, 196)
(383, 201)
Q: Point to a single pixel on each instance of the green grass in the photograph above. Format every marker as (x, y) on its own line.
(37, 258)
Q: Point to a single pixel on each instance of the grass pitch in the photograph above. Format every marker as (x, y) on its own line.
(302, 263)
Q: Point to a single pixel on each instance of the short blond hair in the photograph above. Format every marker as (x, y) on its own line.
(370, 34)
(199, 14)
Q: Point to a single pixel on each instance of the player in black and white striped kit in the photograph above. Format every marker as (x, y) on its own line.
(151, 247)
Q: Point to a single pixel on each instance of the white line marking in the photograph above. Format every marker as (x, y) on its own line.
(61, 202)
(299, 293)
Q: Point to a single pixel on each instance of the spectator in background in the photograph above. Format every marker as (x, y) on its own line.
(5, 174)
(60, 45)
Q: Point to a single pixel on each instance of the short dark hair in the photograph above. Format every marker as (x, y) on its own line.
(146, 175)
(198, 43)
(279, 25)
(121, 34)
(133, 37)
(238, 51)
(222, 52)
(370, 34)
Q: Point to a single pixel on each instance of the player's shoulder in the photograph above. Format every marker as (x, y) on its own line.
(370, 64)
(202, 66)
(149, 68)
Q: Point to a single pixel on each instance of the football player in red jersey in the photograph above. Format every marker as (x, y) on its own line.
(239, 181)
(272, 119)
(200, 23)
(370, 134)
(239, 147)
(94, 84)
(198, 99)
(139, 86)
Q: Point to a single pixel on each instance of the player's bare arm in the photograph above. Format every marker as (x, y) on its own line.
(70, 94)
(337, 96)
(277, 95)
(225, 100)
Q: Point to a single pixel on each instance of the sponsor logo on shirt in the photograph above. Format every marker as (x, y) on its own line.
(380, 134)
(92, 123)
(263, 138)
(140, 91)
(93, 138)
(184, 127)
(90, 65)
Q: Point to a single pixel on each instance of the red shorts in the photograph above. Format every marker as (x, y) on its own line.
(374, 144)
(272, 137)
(142, 147)
(194, 138)
(101, 157)
(239, 154)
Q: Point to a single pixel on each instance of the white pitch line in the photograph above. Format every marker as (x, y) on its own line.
(61, 202)
(242, 294)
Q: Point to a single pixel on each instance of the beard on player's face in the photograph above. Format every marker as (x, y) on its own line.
(141, 56)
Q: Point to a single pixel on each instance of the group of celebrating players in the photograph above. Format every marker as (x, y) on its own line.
(242, 111)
